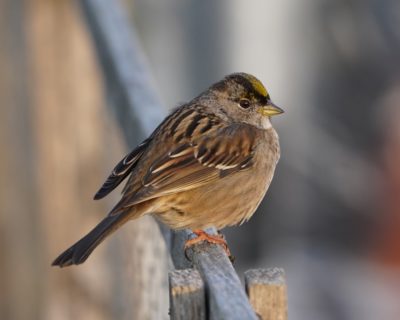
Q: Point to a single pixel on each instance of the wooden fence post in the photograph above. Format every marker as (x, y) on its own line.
(266, 289)
(225, 294)
(187, 295)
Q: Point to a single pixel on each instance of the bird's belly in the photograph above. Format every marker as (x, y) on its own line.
(228, 202)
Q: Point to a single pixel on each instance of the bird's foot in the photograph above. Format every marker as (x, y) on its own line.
(204, 236)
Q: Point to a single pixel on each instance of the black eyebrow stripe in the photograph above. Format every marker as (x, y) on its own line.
(249, 87)
(246, 84)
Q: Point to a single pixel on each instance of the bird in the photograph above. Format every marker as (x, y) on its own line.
(208, 164)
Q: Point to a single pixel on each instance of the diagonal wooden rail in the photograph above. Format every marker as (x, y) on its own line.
(130, 89)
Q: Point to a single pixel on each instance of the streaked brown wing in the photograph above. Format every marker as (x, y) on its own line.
(193, 164)
(122, 170)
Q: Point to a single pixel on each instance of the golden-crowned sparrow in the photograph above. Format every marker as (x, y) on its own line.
(209, 163)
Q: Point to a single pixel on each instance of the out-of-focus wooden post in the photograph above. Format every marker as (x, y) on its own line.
(266, 289)
(186, 295)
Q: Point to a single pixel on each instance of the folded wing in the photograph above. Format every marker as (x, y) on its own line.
(194, 163)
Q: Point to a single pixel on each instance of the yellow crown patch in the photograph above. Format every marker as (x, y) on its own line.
(257, 85)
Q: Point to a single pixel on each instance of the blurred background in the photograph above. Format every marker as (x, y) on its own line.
(332, 215)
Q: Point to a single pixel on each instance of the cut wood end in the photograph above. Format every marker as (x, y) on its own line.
(269, 276)
(185, 281)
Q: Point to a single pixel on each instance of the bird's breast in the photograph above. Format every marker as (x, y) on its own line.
(228, 201)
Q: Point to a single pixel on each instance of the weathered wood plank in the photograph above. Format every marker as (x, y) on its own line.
(178, 240)
(225, 295)
(125, 67)
(134, 100)
(266, 289)
(136, 106)
(187, 295)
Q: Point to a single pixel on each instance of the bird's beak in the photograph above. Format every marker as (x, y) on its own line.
(270, 109)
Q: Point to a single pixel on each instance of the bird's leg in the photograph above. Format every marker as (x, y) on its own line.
(204, 236)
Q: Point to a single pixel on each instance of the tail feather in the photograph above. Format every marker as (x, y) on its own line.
(80, 251)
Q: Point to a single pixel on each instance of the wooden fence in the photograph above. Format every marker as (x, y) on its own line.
(205, 286)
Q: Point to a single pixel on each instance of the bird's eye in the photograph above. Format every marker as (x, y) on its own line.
(244, 103)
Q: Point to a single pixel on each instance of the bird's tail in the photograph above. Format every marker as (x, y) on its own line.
(81, 250)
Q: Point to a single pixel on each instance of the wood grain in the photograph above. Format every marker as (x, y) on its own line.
(187, 295)
(225, 295)
(266, 289)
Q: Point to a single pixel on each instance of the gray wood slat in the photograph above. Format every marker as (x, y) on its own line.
(135, 102)
(225, 295)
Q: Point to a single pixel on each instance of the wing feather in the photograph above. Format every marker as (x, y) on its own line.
(122, 170)
(196, 163)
